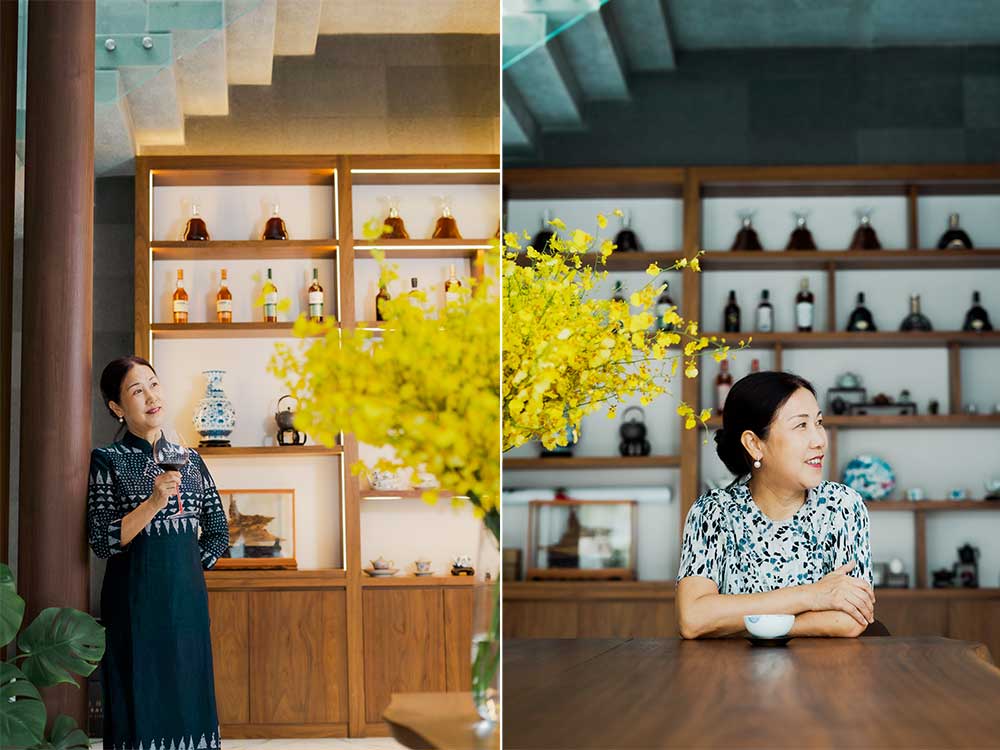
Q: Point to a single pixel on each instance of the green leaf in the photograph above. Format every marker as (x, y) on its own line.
(11, 607)
(22, 713)
(65, 735)
(61, 642)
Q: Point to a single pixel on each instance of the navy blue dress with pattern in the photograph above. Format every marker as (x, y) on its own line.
(729, 540)
(157, 677)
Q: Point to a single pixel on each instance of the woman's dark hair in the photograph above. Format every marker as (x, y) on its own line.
(751, 405)
(112, 379)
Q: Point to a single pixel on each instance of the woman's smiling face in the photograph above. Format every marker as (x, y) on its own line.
(793, 453)
(142, 401)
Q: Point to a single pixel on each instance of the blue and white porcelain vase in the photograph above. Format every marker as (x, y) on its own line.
(215, 418)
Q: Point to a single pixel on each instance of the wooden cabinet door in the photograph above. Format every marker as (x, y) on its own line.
(976, 620)
(458, 604)
(627, 619)
(404, 636)
(298, 657)
(230, 619)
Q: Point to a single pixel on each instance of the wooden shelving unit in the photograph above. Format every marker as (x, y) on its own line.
(272, 627)
(693, 186)
(593, 462)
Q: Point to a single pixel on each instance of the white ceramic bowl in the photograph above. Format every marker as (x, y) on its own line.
(768, 626)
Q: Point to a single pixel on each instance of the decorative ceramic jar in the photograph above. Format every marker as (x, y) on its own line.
(215, 418)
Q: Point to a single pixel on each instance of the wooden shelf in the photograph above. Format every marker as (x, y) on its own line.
(245, 250)
(237, 580)
(221, 330)
(887, 422)
(635, 261)
(932, 505)
(608, 183)
(854, 340)
(408, 579)
(593, 462)
(399, 494)
(416, 249)
(242, 451)
(797, 260)
(439, 169)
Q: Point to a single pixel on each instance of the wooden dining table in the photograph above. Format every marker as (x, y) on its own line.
(727, 693)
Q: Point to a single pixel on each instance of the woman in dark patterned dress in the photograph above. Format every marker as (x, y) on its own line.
(779, 540)
(157, 679)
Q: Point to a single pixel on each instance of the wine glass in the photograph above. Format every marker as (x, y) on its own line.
(171, 454)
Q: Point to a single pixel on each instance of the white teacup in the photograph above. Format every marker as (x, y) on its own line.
(381, 564)
(423, 565)
(768, 626)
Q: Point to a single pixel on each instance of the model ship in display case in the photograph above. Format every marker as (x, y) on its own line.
(582, 540)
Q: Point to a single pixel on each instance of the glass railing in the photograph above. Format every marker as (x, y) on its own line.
(529, 25)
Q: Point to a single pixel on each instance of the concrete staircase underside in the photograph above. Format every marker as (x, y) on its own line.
(219, 44)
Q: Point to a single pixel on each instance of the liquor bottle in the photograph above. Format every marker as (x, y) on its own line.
(864, 236)
(397, 229)
(915, 321)
(731, 315)
(861, 317)
(446, 228)
(801, 238)
(180, 299)
(275, 227)
(723, 384)
(955, 238)
(626, 240)
(380, 298)
(270, 300)
(804, 305)
(195, 230)
(224, 301)
(754, 365)
(664, 304)
(413, 284)
(315, 299)
(746, 238)
(541, 241)
(765, 313)
(619, 295)
(451, 287)
(977, 319)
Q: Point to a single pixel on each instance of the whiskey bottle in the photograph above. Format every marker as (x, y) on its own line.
(413, 284)
(977, 319)
(451, 287)
(664, 304)
(224, 301)
(765, 313)
(446, 228)
(275, 227)
(731, 315)
(723, 384)
(861, 317)
(541, 241)
(380, 298)
(915, 321)
(195, 230)
(801, 238)
(955, 238)
(619, 295)
(864, 236)
(804, 307)
(180, 299)
(626, 240)
(397, 229)
(746, 238)
(270, 300)
(315, 299)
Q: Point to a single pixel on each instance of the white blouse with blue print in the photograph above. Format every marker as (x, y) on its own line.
(729, 540)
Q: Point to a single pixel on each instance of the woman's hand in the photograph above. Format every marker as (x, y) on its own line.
(839, 591)
(165, 486)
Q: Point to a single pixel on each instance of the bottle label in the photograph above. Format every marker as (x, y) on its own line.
(270, 311)
(271, 298)
(180, 305)
(224, 305)
(765, 319)
(721, 392)
(315, 298)
(450, 297)
(804, 314)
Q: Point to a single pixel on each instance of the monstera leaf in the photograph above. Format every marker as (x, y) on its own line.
(65, 735)
(22, 713)
(59, 643)
(11, 607)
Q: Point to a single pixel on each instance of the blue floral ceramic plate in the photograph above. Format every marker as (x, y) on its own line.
(871, 477)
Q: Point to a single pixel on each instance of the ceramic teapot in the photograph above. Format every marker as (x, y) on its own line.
(285, 419)
(633, 433)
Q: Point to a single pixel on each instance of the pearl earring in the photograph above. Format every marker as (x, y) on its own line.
(756, 464)
(122, 419)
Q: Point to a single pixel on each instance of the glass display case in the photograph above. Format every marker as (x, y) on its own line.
(582, 540)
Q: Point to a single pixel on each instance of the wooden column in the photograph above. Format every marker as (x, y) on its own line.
(691, 387)
(58, 310)
(8, 139)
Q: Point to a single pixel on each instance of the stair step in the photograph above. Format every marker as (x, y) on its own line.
(297, 27)
(154, 102)
(184, 15)
(597, 57)
(644, 29)
(201, 72)
(250, 27)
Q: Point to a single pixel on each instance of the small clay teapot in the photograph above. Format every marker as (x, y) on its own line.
(633, 433)
(286, 424)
